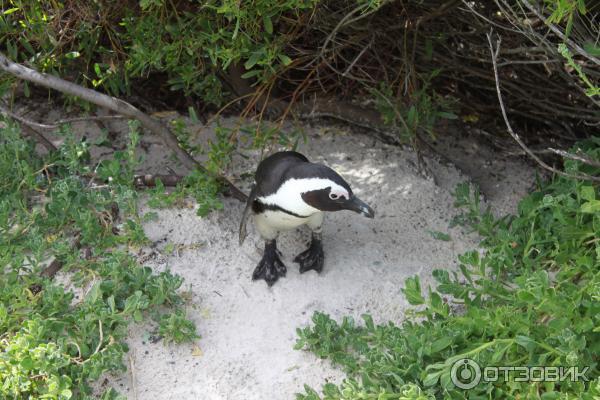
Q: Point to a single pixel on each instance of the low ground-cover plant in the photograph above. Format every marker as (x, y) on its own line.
(420, 115)
(53, 342)
(532, 298)
(202, 186)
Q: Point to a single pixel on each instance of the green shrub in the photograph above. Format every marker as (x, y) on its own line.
(52, 343)
(106, 45)
(531, 299)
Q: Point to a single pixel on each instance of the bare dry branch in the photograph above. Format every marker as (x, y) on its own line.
(577, 157)
(560, 34)
(114, 104)
(32, 124)
(494, 52)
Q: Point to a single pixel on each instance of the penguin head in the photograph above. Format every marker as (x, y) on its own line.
(332, 193)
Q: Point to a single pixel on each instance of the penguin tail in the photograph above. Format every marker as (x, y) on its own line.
(243, 232)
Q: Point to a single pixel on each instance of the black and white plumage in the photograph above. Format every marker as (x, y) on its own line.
(290, 191)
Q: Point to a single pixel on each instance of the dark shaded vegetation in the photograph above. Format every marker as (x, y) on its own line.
(418, 61)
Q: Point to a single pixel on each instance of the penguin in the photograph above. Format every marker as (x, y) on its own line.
(290, 191)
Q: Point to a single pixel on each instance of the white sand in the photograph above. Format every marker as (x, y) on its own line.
(248, 329)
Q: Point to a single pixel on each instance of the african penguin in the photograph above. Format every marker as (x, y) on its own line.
(290, 191)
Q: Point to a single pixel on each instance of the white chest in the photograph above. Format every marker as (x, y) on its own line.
(270, 222)
(280, 220)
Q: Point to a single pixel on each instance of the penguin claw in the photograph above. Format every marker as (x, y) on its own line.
(312, 258)
(270, 268)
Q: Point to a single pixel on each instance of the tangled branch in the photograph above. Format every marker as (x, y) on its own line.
(495, 51)
(116, 105)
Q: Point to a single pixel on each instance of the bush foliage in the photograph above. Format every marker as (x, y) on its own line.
(420, 54)
(531, 299)
(107, 45)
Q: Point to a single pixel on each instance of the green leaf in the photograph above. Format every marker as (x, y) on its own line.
(432, 379)
(285, 60)
(525, 342)
(440, 235)
(72, 54)
(440, 344)
(268, 24)
(252, 73)
(447, 115)
(588, 193)
(95, 293)
(111, 303)
(11, 10)
(591, 207)
(254, 58)
(428, 49)
(592, 49)
(411, 118)
(28, 46)
(27, 363)
(193, 115)
(412, 291)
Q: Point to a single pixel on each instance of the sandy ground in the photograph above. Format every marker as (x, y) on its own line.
(248, 329)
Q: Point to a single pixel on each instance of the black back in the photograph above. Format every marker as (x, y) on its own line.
(274, 170)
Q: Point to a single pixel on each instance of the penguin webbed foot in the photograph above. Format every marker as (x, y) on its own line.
(270, 267)
(312, 258)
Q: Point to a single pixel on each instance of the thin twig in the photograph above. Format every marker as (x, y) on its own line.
(27, 127)
(39, 137)
(560, 34)
(4, 110)
(88, 118)
(58, 123)
(101, 337)
(353, 63)
(515, 136)
(577, 157)
(347, 20)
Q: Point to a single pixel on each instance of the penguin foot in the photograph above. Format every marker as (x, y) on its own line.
(270, 268)
(312, 258)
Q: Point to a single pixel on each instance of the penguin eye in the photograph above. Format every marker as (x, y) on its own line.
(333, 196)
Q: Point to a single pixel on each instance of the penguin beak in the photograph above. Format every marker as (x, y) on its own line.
(357, 205)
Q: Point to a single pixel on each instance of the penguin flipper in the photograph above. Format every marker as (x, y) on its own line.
(243, 233)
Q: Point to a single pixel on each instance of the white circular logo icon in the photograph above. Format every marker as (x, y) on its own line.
(465, 373)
